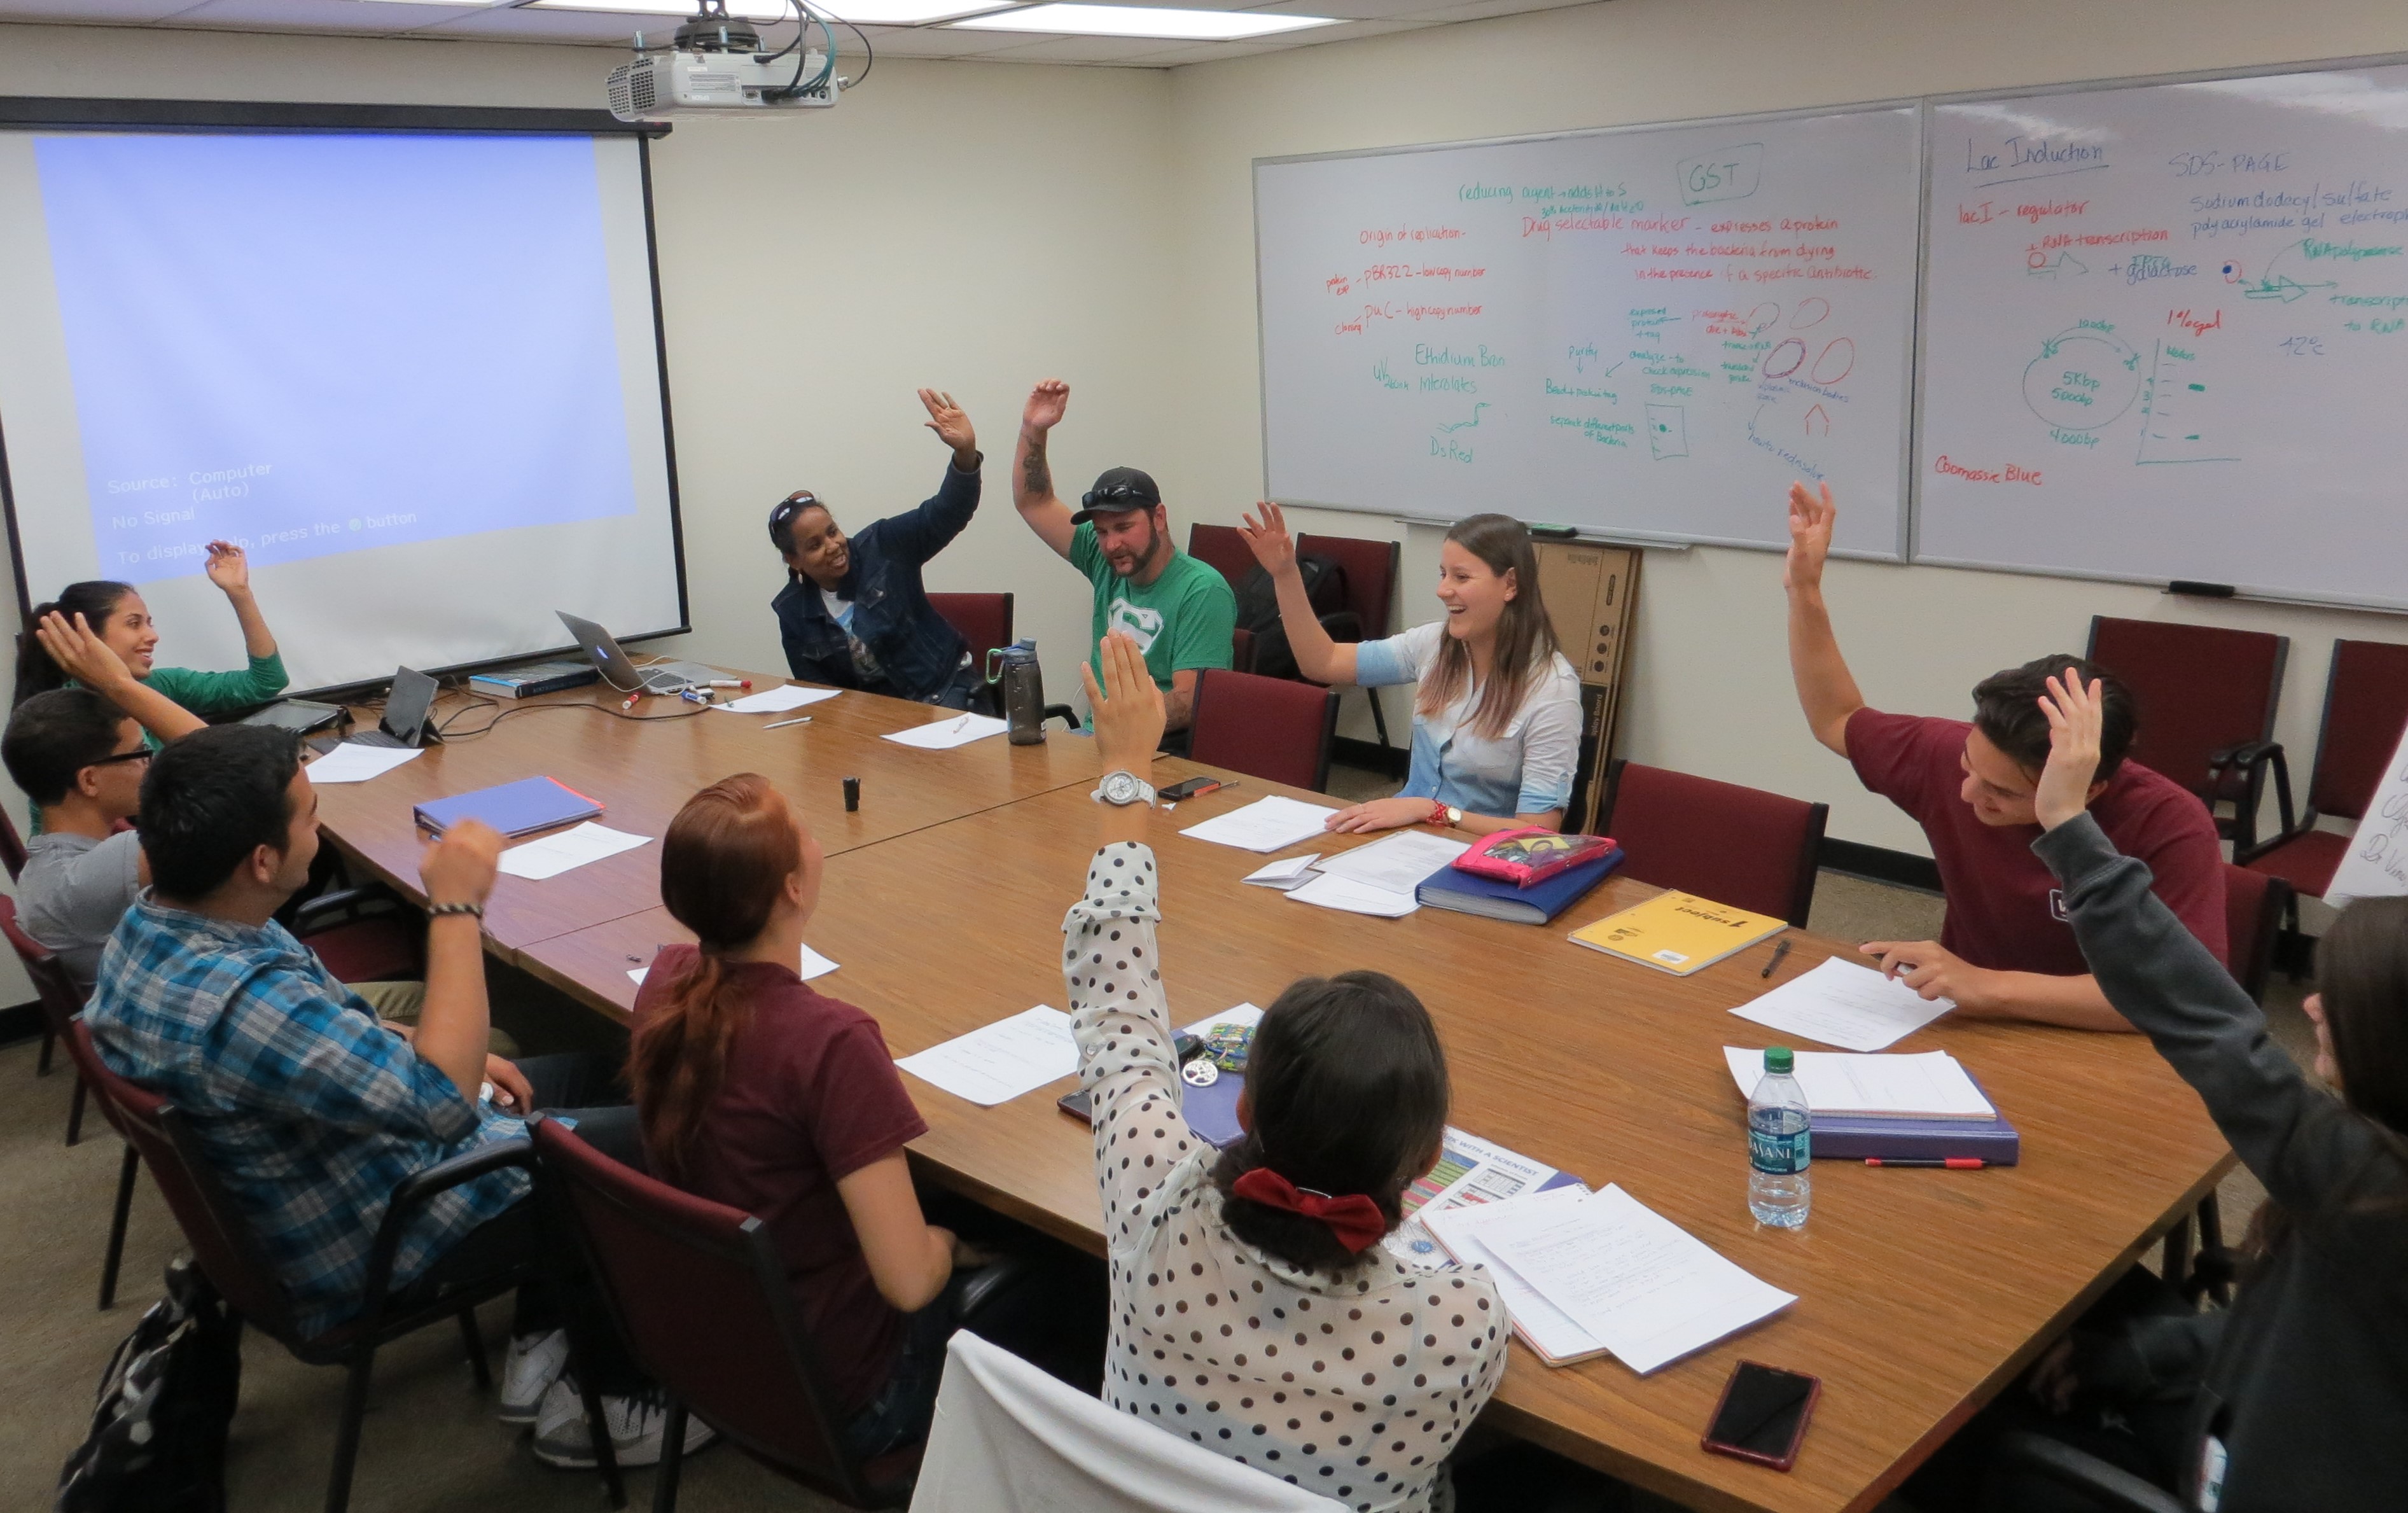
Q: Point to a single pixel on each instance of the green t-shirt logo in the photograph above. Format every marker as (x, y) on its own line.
(1141, 624)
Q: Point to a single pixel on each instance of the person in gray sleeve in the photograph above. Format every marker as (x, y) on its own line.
(79, 759)
(2302, 1394)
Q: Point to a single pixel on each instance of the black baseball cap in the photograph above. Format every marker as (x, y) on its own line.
(1118, 490)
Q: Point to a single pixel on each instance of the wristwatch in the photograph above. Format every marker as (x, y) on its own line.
(1123, 788)
(1446, 815)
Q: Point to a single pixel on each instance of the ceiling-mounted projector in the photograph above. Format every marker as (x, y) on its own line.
(716, 65)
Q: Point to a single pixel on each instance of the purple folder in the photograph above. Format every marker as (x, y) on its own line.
(521, 807)
(1854, 1137)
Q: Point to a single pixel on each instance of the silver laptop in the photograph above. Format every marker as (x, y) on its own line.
(621, 672)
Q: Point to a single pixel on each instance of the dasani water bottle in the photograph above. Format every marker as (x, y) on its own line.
(1779, 1192)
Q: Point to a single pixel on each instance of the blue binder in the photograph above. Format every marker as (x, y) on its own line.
(1450, 888)
(521, 807)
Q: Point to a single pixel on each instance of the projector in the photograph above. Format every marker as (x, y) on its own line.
(717, 66)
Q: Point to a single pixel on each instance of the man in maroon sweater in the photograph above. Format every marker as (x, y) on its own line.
(2008, 950)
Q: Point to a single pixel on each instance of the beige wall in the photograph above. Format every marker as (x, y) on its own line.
(1709, 684)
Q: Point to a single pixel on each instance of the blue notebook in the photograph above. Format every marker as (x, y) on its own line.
(521, 807)
(1466, 893)
(1853, 1137)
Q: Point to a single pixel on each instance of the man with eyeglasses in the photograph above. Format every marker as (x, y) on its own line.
(1181, 613)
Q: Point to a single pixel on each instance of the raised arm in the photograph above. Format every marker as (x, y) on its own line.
(1032, 477)
(1825, 689)
(81, 655)
(1317, 656)
(229, 567)
(454, 1025)
(921, 534)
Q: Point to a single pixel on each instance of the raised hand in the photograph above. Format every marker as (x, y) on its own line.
(1127, 707)
(80, 653)
(2074, 715)
(1810, 536)
(460, 867)
(1272, 546)
(945, 418)
(229, 567)
(1047, 402)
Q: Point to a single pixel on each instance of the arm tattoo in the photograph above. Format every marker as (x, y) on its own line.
(1040, 477)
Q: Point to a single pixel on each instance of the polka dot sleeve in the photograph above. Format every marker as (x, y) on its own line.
(1121, 1023)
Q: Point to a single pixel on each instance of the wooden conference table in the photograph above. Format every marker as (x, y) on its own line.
(1921, 1294)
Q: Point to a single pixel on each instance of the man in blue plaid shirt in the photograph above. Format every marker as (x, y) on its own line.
(310, 1110)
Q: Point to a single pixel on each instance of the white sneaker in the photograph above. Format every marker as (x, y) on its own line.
(534, 1364)
(637, 1426)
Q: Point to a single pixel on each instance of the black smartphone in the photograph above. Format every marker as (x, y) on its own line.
(1077, 1105)
(1192, 788)
(1762, 1415)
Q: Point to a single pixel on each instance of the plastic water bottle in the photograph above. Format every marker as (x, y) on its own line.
(1779, 1192)
(1023, 691)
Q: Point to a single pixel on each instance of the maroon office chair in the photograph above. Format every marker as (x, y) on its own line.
(700, 1295)
(1266, 728)
(60, 999)
(12, 847)
(1222, 549)
(2207, 698)
(239, 1268)
(983, 621)
(1242, 650)
(2366, 706)
(1736, 845)
(1371, 569)
(78, 1050)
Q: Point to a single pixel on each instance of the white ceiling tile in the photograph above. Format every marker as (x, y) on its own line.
(1488, 9)
(358, 16)
(546, 25)
(106, 12)
(1349, 9)
(923, 42)
(1015, 47)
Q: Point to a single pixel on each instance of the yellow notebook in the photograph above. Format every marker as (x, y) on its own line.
(1678, 932)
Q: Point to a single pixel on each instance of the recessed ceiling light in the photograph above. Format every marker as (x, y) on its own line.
(1143, 20)
(865, 12)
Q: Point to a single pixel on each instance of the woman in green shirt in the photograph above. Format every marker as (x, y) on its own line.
(116, 614)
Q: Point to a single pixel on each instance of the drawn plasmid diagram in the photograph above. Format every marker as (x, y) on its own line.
(2083, 379)
(1835, 361)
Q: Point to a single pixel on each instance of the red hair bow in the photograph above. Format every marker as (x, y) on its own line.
(1354, 1219)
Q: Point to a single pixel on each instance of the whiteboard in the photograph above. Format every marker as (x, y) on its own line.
(2166, 335)
(1645, 333)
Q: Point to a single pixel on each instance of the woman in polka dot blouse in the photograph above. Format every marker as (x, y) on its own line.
(1254, 1309)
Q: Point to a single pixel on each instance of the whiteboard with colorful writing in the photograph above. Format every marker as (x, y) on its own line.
(1645, 333)
(2166, 335)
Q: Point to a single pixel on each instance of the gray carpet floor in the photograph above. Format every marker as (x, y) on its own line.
(430, 1440)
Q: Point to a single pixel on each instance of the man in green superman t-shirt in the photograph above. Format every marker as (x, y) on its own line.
(1180, 611)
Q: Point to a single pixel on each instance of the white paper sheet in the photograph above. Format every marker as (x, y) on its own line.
(945, 734)
(1463, 1232)
(1632, 1279)
(1397, 862)
(998, 1063)
(1286, 873)
(574, 847)
(1354, 898)
(1931, 1086)
(351, 763)
(1841, 1003)
(776, 700)
(2375, 866)
(1272, 824)
(813, 965)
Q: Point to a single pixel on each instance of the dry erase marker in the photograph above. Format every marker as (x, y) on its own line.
(1953, 1164)
(852, 794)
(1780, 949)
(629, 702)
(780, 725)
(731, 683)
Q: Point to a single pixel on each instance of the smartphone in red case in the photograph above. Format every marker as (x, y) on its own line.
(1762, 1415)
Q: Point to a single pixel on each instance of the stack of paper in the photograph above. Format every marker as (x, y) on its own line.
(1931, 1086)
(776, 700)
(1290, 873)
(1627, 1279)
(813, 965)
(945, 734)
(1469, 1171)
(1543, 1327)
(1381, 878)
(1841, 1003)
(352, 763)
(1272, 824)
(998, 1063)
(574, 847)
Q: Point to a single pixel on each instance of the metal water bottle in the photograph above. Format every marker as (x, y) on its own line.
(1015, 668)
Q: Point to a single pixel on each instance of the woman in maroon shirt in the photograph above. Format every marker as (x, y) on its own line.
(756, 1092)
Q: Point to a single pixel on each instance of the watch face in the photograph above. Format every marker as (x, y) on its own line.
(1120, 788)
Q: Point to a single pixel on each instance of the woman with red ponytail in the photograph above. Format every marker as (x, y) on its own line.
(760, 1093)
(1255, 1308)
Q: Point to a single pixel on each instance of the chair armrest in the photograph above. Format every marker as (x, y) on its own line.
(2239, 773)
(1343, 624)
(315, 913)
(2039, 1455)
(413, 1192)
(1063, 712)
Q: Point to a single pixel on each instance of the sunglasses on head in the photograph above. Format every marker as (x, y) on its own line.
(791, 505)
(1114, 495)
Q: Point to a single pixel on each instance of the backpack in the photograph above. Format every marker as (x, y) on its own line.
(1258, 610)
(159, 1423)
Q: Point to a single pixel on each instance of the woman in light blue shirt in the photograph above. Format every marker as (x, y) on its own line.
(1497, 718)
